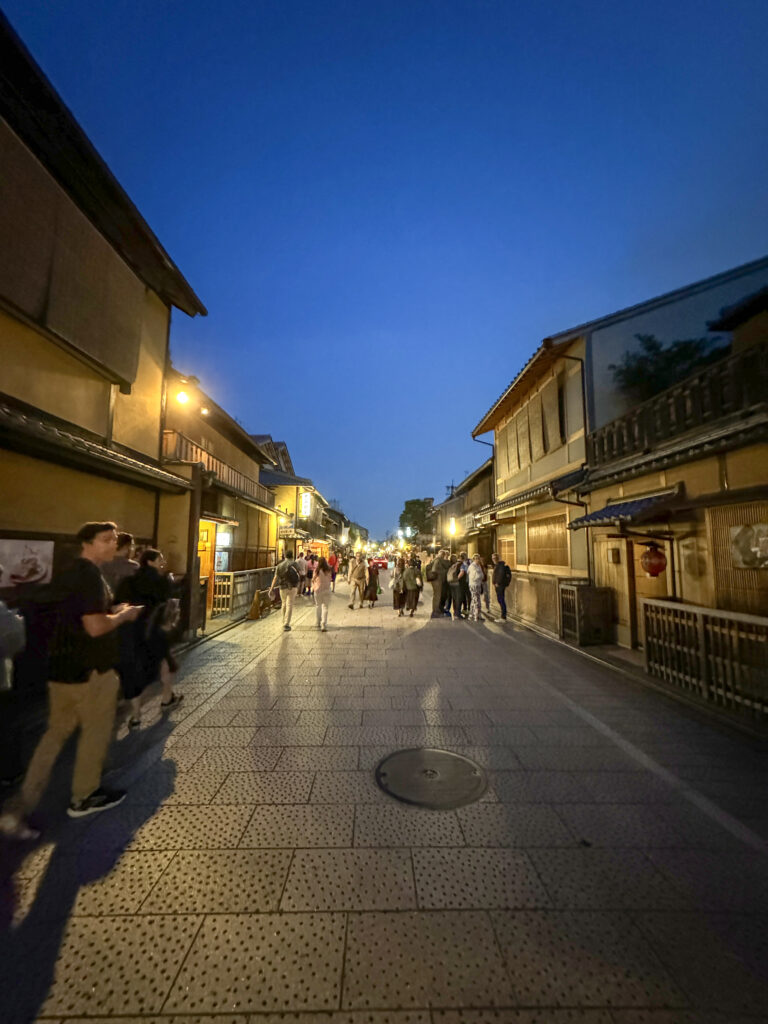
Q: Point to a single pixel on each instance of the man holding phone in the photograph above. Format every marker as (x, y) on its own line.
(83, 686)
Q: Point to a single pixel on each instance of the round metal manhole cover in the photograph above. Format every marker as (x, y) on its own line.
(438, 779)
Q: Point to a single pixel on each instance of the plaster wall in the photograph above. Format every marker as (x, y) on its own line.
(137, 416)
(40, 373)
(47, 498)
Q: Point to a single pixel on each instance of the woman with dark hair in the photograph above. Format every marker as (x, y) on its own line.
(397, 586)
(413, 583)
(321, 588)
(371, 592)
(145, 646)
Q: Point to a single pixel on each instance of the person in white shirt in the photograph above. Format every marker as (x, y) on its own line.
(476, 577)
(321, 588)
(301, 565)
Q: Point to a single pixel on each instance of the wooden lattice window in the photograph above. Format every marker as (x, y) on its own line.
(507, 550)
(548, 541)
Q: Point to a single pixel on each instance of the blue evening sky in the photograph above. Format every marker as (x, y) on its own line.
(386, 205)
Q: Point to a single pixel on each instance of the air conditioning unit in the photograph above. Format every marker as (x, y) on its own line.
(586, 614)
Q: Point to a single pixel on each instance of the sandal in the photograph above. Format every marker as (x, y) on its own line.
(176, 698)
(134, 723)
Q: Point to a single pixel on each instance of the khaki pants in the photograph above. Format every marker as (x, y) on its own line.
(287, 595)
(322, 604)
(88, 706)
(357, 587)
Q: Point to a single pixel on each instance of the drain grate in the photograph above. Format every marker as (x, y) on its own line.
(433, 778)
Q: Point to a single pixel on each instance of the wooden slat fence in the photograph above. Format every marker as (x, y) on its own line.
(719, 657)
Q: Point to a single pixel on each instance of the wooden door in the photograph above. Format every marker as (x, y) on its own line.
(206, 549)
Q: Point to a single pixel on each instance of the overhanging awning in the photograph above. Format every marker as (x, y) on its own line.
(32, 435)
(637, 511)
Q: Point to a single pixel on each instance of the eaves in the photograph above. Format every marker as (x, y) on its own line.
(39, 438)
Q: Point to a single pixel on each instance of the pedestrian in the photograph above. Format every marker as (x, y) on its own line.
(321, 588)
(145, 655)
(287, 579)
(371, 592)
(83, 685)
(454, 577)
(301, 565)
(437, 572)
(357, 579)
(397, 586)
(486, 586)
(502, 577)
(333, 562)
(475, 577)
(465, 595)
(413, 583)
(123, 564)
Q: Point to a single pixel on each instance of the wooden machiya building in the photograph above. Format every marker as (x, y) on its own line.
(455, 521)
(677, 492)
(227, 526)
(571, 440)
(86, 292)
(538, 425)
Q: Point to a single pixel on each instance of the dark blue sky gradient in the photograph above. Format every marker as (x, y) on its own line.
(386, 205)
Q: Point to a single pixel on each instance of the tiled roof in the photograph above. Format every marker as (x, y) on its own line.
(623, 512)
(33, 433)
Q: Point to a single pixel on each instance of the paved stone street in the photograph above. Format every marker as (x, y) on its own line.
(614, 872)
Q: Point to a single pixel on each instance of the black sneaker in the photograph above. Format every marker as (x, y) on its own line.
(286, 629)
(100, 800)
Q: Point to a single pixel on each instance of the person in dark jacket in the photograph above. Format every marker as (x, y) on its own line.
(500, 582)
(455, 579)
(440, 593)
(413, 584)
(397, 586)
(371, 592)
(145, 650)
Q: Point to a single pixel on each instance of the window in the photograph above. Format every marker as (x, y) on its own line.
(550, 402)
(561, 409)
(536, 428)
(523, 439)
(548, 541)
(507, 550)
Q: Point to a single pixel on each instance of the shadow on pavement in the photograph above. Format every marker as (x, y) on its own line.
(37, 899)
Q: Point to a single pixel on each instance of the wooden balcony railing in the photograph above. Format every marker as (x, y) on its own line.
(179, 448)
(732, 385)
(718, 657)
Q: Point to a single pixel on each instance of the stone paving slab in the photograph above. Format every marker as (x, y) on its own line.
(262, 962)
(256, 873)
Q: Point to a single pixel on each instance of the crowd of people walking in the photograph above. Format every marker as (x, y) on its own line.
(461, 586)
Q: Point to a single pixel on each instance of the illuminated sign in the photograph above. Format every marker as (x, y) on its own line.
(305, 504)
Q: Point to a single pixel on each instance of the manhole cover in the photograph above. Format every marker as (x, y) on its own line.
(432, 778)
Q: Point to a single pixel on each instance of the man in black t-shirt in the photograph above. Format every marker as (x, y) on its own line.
(83, 687)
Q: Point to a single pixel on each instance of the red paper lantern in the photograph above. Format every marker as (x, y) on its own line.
(653, 560)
